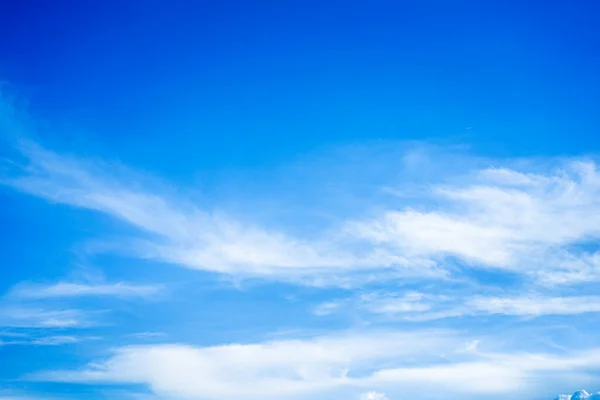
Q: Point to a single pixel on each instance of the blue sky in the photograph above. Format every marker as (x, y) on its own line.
(299, 200)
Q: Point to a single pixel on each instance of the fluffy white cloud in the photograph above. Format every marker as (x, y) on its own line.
(398, 363)
(284, 368)
(502, 218)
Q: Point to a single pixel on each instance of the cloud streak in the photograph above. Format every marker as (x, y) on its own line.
(418, 306)
(55, 340)
(30, 305)
(70, 289)
(26, 316)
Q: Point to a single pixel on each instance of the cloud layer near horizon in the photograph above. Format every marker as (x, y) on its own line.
(398, 363)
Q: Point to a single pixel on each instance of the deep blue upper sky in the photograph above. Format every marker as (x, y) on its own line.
(257, 82)
(325, 184)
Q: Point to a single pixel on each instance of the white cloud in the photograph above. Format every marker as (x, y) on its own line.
(563, 397)
(409, 302)
(284, 368)
(327, 308)
(39, 317)
(471, 346)
(397, 363)
(30, 305)
(579, 395)
(535, 305)
(417, 306)
(20, 395)
(502, 218)
(69, 289)
(373, 396)
(56, 340)
(147, 335)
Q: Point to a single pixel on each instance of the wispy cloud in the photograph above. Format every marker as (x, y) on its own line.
(147, 335)
(31, 305)
(54, 340)
(328, 307)
(57, 340)
(186, 235)
(70, 289)
(39, 317)
(535, 305)
(417, 306)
